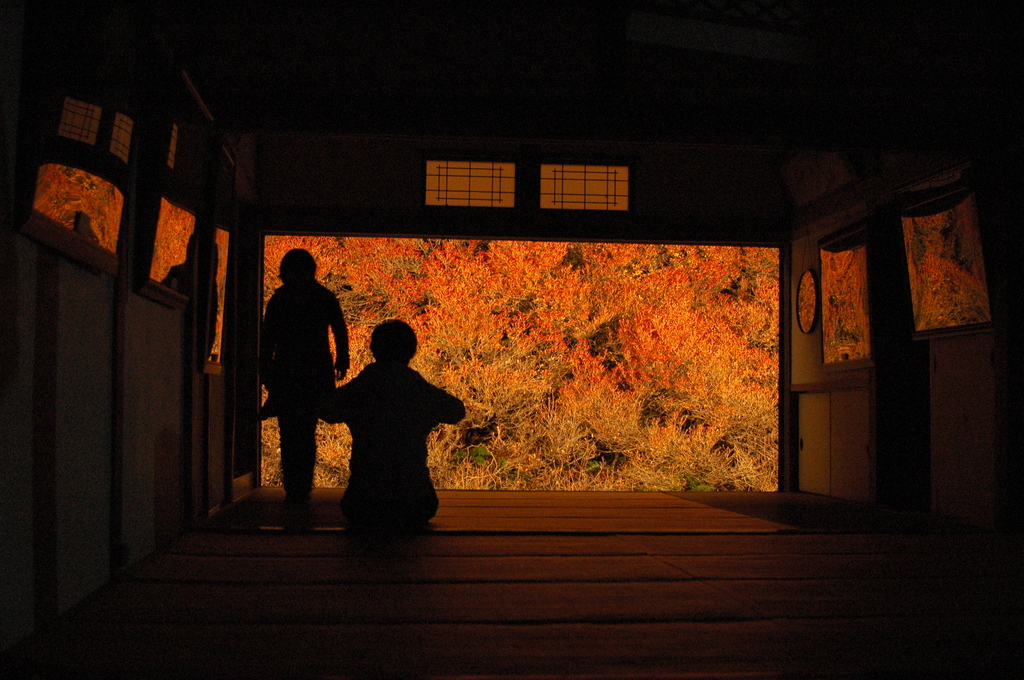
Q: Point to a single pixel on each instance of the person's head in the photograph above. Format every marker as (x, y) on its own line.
(297, 264)
(393, 341)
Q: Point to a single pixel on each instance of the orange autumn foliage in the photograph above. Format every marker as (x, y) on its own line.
(582, 365)
(63, 191)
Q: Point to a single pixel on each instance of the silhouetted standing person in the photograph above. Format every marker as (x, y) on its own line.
(296, 364)
(390, 409)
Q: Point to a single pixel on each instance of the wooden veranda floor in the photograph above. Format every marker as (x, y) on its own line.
(557, 585)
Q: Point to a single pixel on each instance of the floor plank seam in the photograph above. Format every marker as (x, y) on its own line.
(286, 531)
(859, 618)
(432, 582)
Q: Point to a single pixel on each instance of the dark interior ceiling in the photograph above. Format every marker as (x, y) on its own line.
(763, 72)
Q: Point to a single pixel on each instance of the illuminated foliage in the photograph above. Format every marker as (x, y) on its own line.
(62, 192)
(173, 231)
(582, 365)
(221, 241)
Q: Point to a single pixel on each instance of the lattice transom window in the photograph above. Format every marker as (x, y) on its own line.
(584, 187)
(121, 136)
(79, 120)
(476, 183)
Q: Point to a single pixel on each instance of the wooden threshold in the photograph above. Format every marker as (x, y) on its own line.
(524, 512)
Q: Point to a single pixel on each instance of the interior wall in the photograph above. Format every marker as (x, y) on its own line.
(84, 416)
(17, 590)
(926, 410)
(61, 414)
(12, 20)
(350, 171)
(843, 455)
(152, 420)
(806, 358)
(60, 556)
(17, 330)
(963, 441)
(834, 404)
(851, 473)
(376, 184)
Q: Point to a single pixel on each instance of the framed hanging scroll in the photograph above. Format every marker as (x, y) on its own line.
(942, 239)
(845, 319)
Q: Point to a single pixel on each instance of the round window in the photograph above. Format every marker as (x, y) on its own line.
(807, 301)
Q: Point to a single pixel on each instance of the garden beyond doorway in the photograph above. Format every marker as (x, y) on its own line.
(583, 366)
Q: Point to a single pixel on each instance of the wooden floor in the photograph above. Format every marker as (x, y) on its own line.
(524, 585)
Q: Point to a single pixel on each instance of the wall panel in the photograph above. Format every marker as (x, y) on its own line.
(17, 259)
(84, 402)
(152, 418)
(815, 443)
(852, 462)
(963, 427)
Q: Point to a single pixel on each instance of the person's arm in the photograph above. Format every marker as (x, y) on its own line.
(341, 360)
(340, 331)
(337, 406)
(268, 342)
(445, 408)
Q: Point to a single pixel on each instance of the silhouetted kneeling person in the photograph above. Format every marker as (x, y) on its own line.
(390, 409)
